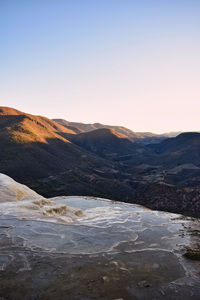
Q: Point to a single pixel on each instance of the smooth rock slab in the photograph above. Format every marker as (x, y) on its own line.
(116, 251)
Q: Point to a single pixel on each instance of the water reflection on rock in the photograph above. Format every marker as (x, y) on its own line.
(111, 251)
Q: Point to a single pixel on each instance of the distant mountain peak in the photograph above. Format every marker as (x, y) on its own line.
(189, 134)
(105, 132)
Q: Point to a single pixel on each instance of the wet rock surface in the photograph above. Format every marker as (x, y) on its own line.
(111, 251)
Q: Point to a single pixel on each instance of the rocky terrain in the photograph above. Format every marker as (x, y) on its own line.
(64, 158)
(92, 248)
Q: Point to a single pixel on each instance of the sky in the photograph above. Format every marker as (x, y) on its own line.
(134, 63)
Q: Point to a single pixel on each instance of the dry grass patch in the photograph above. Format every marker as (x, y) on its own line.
(56, 211)
(43, 202)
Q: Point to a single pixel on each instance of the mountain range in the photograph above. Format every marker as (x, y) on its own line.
(56, 157)
(142, 137)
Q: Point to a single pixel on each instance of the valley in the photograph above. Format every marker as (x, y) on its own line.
(57, 158)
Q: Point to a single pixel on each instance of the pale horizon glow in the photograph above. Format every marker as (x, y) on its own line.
(118, 62)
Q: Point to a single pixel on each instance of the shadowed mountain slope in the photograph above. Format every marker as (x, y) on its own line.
(35, 151)
(106, 143)
(184, 141)
(183, 149)
(55, 160)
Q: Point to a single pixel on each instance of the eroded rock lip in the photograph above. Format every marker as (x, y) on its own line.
(11, 191)
(18, 200)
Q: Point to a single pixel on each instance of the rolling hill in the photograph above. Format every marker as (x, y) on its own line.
(142, 137)
(56, 159)
(186, 141)
(35, 151)
(106, 143)
(183, 149)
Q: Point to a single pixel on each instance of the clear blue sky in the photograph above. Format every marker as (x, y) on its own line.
(131, 63)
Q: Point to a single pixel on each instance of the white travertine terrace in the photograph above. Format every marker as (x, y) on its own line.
(18, 200)
(64, 243)
(11, 191)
